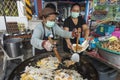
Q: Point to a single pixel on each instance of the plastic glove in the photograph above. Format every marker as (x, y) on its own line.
(47, 45)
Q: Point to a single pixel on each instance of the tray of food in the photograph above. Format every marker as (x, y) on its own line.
(110, 50)
(46, 67)
(110, 46)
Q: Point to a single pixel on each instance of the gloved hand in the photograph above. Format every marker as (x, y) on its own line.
(47, 45)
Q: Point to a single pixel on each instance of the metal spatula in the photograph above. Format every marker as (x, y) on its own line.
(55, 49)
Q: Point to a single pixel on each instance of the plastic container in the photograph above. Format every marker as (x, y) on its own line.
(104, 28)
(107, 50)
(81, 40)
(111, 56)
(92, 43)
(13, 47)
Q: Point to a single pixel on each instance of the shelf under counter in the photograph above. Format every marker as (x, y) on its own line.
(23, 36)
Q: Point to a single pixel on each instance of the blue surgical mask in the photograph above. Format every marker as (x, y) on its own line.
(50, 24)
(74, 14)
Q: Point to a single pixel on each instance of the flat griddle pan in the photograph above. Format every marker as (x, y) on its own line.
(84, 68)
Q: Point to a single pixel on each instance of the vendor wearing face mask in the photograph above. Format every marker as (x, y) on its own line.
(74, 21)
(45, 29)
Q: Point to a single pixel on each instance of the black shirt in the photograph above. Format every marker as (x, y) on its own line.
(70, 24)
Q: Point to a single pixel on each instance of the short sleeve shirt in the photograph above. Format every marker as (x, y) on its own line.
(69, 23)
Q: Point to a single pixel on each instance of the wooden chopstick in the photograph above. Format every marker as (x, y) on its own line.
(77, 42)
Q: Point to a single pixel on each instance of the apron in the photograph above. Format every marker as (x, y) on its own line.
(38, 51)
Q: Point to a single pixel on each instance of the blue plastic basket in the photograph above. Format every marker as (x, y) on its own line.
(81, 40)
(92, 44)
(104, 28)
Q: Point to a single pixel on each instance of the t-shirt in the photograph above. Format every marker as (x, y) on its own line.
(69, 23)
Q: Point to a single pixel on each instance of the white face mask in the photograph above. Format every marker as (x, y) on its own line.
(50, 24)
(74, 14)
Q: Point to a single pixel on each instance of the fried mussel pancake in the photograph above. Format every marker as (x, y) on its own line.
(46, 69)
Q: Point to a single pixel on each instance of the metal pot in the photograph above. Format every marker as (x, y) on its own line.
(13, 47)
(85, 69)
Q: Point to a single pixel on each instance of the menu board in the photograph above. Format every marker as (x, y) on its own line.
(104, 9)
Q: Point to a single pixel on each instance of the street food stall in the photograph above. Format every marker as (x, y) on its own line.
(97, 58)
